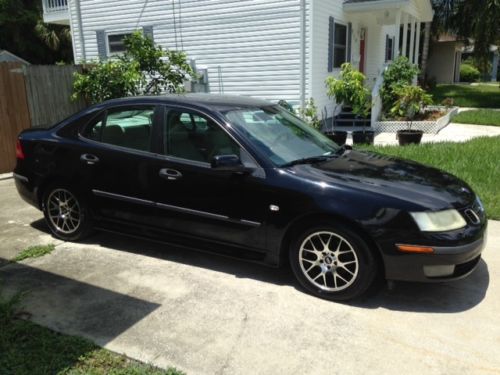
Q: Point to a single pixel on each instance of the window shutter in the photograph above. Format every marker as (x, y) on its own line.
(148, 32)
(386, 48)
(331, 40)
(393, 48)
(349, 41)
(101, 44)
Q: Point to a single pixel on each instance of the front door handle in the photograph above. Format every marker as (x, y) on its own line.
(170, 174)
(89, 159)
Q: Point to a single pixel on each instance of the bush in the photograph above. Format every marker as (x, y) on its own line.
(144, 69)
(398, 74)
(469, 73)
(410, 101)
(350, 89)
(310, 114)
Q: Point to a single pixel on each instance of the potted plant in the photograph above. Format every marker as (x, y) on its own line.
(349, 90)
(411, 100)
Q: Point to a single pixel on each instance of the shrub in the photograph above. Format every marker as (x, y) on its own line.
(398, 74)
(144, 69)
(410, 101)
(469, 73)
(310, 114)
(350, 89)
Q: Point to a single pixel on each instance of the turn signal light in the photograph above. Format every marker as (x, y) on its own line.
(415, 249)
(19, 150)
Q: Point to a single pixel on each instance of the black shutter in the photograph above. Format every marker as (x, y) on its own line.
(349, 42)
(393, 50)
(331, 40)
(101, 44)
(148, 32)
(387, 48)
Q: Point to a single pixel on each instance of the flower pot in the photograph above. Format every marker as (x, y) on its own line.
(339, 137)
(363, 137)
(408, 137)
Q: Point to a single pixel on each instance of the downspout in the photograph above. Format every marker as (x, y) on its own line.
(302, 53)
(80, 29)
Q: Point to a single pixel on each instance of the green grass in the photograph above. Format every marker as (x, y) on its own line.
(480, 96)
(29, 349)
(477, 162)
(34, 252)
(479, 117)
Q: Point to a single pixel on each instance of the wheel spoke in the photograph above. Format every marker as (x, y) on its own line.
(63, 211)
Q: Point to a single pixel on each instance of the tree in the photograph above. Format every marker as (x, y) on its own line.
(480, 21)
(144, 69)
(24, 33)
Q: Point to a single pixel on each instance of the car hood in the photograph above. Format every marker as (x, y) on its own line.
(420, 186)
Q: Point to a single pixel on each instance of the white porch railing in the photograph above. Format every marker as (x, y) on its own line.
(376, 99)
(51, 6)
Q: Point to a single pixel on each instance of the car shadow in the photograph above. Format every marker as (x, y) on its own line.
(446, 297)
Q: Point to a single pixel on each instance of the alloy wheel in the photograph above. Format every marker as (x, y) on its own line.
(328, 261)
(64, 211)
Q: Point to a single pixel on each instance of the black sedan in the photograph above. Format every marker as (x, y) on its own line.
(246, 178)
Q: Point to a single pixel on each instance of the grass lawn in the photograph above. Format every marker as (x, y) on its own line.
(29, 349)
(479, 117)
(477, 162)
(480, 96)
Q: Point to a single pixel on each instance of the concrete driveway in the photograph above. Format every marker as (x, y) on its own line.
(208, 315)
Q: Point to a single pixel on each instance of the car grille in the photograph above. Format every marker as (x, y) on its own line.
(475, 213)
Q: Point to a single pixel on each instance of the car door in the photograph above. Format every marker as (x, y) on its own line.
(198, 200)
(116, 160)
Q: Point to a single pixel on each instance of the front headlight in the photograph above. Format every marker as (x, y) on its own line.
(441, 221)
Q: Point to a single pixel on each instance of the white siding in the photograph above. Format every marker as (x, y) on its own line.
(256, 44)
(320, 13)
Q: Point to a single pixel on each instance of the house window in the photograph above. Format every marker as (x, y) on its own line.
(340, 45)
(389, 48)
(116, 43)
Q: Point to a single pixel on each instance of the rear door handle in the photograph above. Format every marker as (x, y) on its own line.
(89, 159)
(170, 174)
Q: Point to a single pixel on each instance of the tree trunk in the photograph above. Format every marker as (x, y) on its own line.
(425, 51)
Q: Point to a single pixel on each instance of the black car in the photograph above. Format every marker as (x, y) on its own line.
(246, 178)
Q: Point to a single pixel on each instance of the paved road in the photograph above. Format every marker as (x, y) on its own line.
(208, 315)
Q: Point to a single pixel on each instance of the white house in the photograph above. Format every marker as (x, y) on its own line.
(273, 49)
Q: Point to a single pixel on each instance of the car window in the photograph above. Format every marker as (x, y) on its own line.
(280, 135)
(129, 127)
(194, 137)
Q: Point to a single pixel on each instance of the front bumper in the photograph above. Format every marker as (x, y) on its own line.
(446, 263)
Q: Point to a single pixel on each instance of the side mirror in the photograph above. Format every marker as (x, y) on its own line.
(229, 163)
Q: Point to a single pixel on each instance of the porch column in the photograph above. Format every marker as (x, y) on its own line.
(397, 26)
(417, 43)
(405, 33)
(412, 40)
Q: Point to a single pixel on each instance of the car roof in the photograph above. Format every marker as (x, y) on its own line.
(215, 102)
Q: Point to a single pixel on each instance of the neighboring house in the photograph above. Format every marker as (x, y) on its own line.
(273, 49)
(446, 55)
(6, 56)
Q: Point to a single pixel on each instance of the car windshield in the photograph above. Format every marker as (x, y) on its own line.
(280, 135)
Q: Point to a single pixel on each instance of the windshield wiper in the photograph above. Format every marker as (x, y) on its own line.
(343, 149)
(310, 160)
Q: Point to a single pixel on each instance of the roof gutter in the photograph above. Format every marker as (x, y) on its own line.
(374, 5)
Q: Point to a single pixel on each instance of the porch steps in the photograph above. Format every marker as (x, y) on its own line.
(348, 119)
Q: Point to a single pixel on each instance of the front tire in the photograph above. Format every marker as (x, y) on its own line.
(331, 261)
(66, 213)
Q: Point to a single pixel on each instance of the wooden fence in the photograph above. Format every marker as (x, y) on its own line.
(14, 113)
(32, 96)
(49, 88)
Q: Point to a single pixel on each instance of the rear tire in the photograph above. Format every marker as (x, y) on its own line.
(66, 213)
(333, 262)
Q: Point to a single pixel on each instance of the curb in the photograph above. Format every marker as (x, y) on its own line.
(5, 176)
